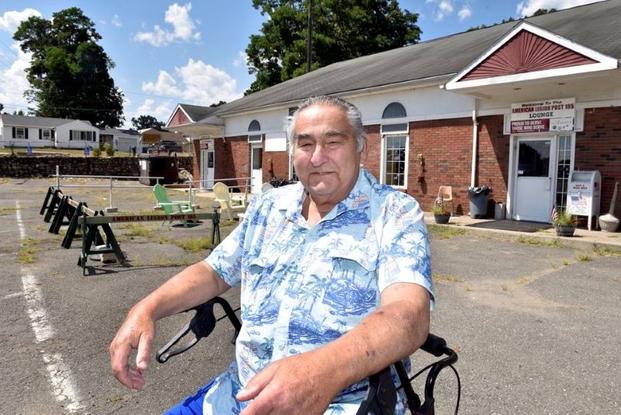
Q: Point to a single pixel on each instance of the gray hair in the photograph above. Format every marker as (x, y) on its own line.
(350, 110)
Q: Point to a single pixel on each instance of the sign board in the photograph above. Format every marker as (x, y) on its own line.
(543, 116)
(276, 141)
(205, 144)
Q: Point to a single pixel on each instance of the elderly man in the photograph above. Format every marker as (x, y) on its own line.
(335, 283)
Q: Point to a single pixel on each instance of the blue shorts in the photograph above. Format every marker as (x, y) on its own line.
(192, 405)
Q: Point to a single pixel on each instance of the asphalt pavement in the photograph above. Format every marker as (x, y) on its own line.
(535, 321)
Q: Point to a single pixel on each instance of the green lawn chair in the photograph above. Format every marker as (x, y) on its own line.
(171, 207)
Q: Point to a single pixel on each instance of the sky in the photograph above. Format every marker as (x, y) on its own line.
(168, 52)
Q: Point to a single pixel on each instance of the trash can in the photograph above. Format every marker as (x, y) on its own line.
(499, 211)
(478, 201)
(158, 166)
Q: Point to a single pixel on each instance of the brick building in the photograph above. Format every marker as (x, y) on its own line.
(518, 107)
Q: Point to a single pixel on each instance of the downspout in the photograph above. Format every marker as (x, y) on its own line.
(475, 144)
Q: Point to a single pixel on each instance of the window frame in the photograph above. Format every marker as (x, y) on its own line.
(23, 134)
(399, 119)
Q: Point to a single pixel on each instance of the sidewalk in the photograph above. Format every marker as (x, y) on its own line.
(513, 228)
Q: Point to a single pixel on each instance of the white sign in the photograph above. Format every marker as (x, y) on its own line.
(275, 142)
(543, 116)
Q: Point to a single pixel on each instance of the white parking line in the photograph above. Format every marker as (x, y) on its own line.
(60, 375)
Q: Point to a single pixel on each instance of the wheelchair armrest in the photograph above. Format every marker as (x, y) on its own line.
(201, 325)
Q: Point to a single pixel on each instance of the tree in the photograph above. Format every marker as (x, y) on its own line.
(68, 73)
(217, 104)
(146, 121)
(342, 29)
(538, 12)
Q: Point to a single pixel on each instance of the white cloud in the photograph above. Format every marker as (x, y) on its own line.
(14, 81)
(443, 8)
(183, 28)
(196, 82)
(464, 13)
(161, 110)
(242, 59)
(528, 7)
(11, 19)
(116, 21)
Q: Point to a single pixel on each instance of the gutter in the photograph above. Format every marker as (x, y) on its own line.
(475, 144)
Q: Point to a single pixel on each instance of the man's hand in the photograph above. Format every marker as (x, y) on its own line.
(137, 332)
(300, 384)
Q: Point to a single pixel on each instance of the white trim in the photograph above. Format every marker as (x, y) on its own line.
(173, 114)
(383, 159)
(604, 62)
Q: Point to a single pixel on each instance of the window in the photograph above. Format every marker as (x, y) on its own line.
(82, 135)
(563, 166)
(253, 132)
(20, 132)
(394, 146)
(45, 134)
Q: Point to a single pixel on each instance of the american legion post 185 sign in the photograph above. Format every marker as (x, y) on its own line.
(543, 116)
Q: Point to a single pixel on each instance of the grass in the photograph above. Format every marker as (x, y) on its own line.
(4, 180)
(69, 152)
(7, 211)
(526, 240)
(194, 244)
(606, 251)
(446, 278)
(444, 232)
(136, 229)
(584, 257)
(27, 251)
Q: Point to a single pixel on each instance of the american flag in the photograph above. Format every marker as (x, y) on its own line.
(554, 214)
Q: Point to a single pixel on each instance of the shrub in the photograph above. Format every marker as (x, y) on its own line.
(107, 147)
(563, 218)
(96, 152)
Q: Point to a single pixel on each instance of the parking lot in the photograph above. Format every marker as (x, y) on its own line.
(535, 321)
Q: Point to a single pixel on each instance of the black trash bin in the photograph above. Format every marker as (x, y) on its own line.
(158, 166)
(478, 201)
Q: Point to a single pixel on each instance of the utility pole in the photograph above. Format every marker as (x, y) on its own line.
(309, 37)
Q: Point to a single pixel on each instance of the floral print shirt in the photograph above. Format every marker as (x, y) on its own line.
(304, 286)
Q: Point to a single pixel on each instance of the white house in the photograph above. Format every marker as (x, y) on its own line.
(122, 140)
(24, 131)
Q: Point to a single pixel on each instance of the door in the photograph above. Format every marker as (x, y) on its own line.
(207, 165)
(534, 179)
(256, 166)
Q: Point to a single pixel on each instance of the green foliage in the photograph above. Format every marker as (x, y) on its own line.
(440, 208)
(96, 152)
(563, 218)
(342, 29)
(107, 147)
(444, 232)
(539, 12)
(68, 71)
(146, 121)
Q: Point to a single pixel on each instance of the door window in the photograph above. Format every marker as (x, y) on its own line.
(210, 159)
(257, 158)
(534, 159)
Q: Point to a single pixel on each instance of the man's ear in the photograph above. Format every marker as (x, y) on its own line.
(363, 153)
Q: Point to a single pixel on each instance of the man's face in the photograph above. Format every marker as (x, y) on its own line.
(325, 156)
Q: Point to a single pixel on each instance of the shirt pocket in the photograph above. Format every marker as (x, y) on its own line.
(352, 292)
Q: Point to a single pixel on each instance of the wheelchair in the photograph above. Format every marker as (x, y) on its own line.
(382, 394)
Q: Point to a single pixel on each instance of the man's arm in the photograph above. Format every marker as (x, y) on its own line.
(307, 383)
(192, 286)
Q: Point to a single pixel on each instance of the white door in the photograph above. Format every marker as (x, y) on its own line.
(207, 165)
(256, 166)
(534, 185)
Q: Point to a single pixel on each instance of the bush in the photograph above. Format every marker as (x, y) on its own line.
(107, 147)
(96, 152)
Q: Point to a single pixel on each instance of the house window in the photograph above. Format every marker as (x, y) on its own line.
(254, 135)
(20, 132)
(394, 130)
(82, 135)
(46, 134)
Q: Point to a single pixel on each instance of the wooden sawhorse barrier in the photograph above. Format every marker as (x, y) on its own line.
(91, 231)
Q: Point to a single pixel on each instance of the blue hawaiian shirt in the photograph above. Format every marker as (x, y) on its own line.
(304, 286)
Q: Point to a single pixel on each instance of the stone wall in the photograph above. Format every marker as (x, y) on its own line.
(45, 166)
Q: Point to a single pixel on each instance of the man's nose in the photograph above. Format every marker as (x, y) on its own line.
(319, 155)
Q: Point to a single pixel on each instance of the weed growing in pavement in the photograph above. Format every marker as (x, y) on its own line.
(27, 251)
(565, 262)
(136, 229)
(606, 251)
(194, 244)
(7, 211)
(446, 278)
(523, 281)
(583, 258)
(553, 243)
(444, 232)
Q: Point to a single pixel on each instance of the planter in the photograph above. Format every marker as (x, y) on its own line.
(442, 219)
(567, 230)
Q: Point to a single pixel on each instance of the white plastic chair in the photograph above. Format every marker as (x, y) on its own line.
(227, 203)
